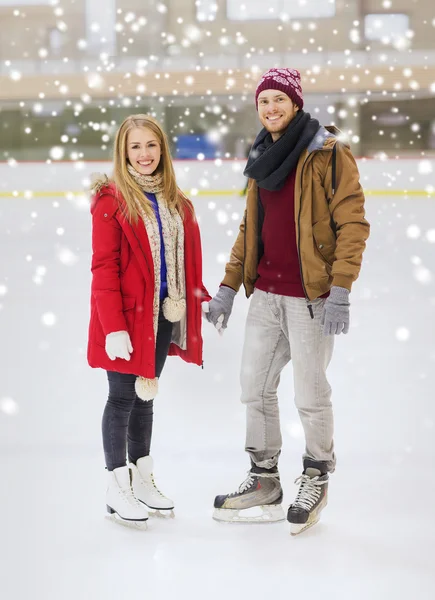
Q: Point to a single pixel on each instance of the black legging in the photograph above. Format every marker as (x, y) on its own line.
(126, 417)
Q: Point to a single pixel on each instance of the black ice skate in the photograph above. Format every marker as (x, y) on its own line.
(311, 498)
(258, 499)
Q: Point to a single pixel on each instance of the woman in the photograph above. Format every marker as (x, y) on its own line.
(146, 303)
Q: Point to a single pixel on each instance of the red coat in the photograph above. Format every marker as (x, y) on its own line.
(123, 288)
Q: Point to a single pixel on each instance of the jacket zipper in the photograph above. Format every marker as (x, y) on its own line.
(309, 305)
(196, 312)
(244, 252)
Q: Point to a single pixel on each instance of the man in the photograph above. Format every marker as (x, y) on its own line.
(298, 252)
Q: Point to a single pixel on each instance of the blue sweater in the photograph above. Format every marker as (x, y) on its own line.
(163, 283)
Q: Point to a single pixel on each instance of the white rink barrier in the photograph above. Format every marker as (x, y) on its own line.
(208, 177)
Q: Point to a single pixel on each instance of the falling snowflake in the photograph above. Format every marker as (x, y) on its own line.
(222, 217)
(8, 406)
(67, 257)
(423, 275)
(222, 258)
(57, 153)
(49, 319)
(413, 232)
(402, 334)
(425, 167)
(295, 430)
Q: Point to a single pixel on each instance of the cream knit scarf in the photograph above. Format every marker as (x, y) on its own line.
(174, 306)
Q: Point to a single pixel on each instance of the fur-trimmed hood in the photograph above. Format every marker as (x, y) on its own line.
(98, 182)
(101, 185)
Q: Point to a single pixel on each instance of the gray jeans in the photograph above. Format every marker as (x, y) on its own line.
(280, 329)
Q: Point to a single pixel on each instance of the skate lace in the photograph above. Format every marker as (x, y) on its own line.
(250, 480)
(128, 496)
(309, 491)
(246, 484)
(155, 486)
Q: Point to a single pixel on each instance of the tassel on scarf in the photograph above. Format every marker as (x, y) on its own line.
(145, 388)
(174, 306)
(174, 310)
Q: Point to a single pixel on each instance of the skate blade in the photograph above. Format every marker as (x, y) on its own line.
(114, 517)
(297, 528)
(268, 513)
(138, 525)
(160, 513)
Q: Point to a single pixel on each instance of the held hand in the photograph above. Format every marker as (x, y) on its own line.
(335, 317)
(220, 307)
(205, 310)
(118, 345)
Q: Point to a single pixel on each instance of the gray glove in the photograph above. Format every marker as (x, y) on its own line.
(220, 307)
(335, 317)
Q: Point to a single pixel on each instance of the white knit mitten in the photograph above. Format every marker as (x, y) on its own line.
(118, 345)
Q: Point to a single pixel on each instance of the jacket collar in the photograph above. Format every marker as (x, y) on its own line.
(319, 140)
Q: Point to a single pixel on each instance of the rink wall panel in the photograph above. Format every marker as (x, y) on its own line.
(225, 177)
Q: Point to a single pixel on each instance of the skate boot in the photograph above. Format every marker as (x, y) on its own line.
(258, 499)
(311, 498)
(146, 491)
(121, 502)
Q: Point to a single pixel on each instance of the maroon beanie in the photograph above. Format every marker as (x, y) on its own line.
(285, 80)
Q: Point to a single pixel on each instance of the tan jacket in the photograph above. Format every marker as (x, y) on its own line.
(331, 229)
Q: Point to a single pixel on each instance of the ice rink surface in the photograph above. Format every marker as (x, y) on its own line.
(376, 539)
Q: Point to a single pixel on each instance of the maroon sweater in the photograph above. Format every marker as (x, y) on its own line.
(278, 269)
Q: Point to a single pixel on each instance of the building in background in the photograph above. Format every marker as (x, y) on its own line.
(70, 72)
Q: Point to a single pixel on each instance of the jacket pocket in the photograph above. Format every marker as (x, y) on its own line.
(324, 241)
(128, 308)
(97, 334)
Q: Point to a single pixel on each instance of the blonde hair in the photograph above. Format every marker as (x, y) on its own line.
(125, 183)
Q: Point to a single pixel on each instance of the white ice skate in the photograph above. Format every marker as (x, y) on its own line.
(122, 505)
(147, 492)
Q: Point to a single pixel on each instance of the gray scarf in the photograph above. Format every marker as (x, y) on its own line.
(269, 162)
